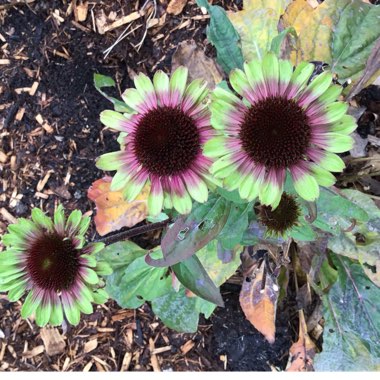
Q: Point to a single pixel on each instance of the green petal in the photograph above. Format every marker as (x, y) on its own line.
(103, 269)
(56, 316)
(43, 313)
(168, 203)
(30, 305)
(270, 195)
(91, 261)
(339, 143)
(182, 204)
(323, 177)
(331, 94)
(73, 221)
(345, 126)
(285, 71)
(40, 218)
(16, 293)
(59, 218)
(8, 270)
(215, 147)
(197, 90)
(110, 161)
(100, 296)
(84, 224)
(302, 73)
(9, 257)
(72, 314)
(320, 84)
(133, 189)
(198, 192)
(233, 181)
(84, 305)
(119, 180)
(13, 282)
(332, 162)
(336, 111)
(13, 240)
(270, 67)
(227, 96)
(254, 72)
(90, 276)
(132, 98)
(144, 85)
(178, 80)
(161, 81)
(239, 81)
(246, 186)
(307, 187)
(155, 203)
(95, 248)
(22, 227)
(113, 120)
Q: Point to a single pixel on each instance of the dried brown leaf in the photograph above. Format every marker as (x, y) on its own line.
(258, 300)
(175, 7)
(303, 351)
(53, 341)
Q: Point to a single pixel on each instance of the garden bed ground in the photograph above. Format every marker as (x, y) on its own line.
(50, 136)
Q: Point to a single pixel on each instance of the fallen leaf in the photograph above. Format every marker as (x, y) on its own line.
(113, 211)
(338, 32)
(90, 345)
(257, 25)
(302, 352)
(258, 300)
(53, 341)
(200, 66)
(175, 7)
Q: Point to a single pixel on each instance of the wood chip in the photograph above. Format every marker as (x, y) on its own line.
(124, 20)
(53, 341)
(90, 345)
(153, 358)
(185, 348)
(33, 89)
(5, 61)
(34, 352)
(160, 350)
(175, 7)
(3, 157)
(7, 215)
(20, 114)
(88, 366)
(126, 362)
(41, 183)
(80, 12)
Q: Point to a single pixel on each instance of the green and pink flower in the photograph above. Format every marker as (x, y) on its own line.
(162, 142)
(282, 123)
(48, 260)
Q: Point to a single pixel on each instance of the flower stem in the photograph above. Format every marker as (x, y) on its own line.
(133, 232)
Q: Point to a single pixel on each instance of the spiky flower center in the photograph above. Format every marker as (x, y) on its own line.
(275, 132)
(281, 219)
(167, 141)
(53, 262)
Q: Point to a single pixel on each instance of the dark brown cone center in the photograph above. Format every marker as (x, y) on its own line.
(167, 141)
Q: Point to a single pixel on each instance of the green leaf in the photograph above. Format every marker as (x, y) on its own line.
(190, 233)
(235, 226)
(194, 277)
(232, 196)
(277, 41)
(303, 232)
(130, 287)
(353, 38)
(351, 339)
(121, 254)
(101, 81)
(179, 312)
(335, 212)
(222, 34)
(218, 271)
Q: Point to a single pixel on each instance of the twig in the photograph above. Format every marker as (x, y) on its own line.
(133, 232)
(14, 3)
(151, 16)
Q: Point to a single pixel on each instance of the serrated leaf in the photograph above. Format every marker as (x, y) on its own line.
(351, 340)
(191, 233)
(194, 277)
(101, 81)
(222, 34)
(257, 25)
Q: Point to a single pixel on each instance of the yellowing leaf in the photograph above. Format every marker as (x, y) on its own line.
(257, 25)
(258, 300)
(113, 211)
(303, 351)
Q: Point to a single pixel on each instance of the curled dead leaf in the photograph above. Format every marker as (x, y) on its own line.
(258, 300)
(303, 351)
(113, 211)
